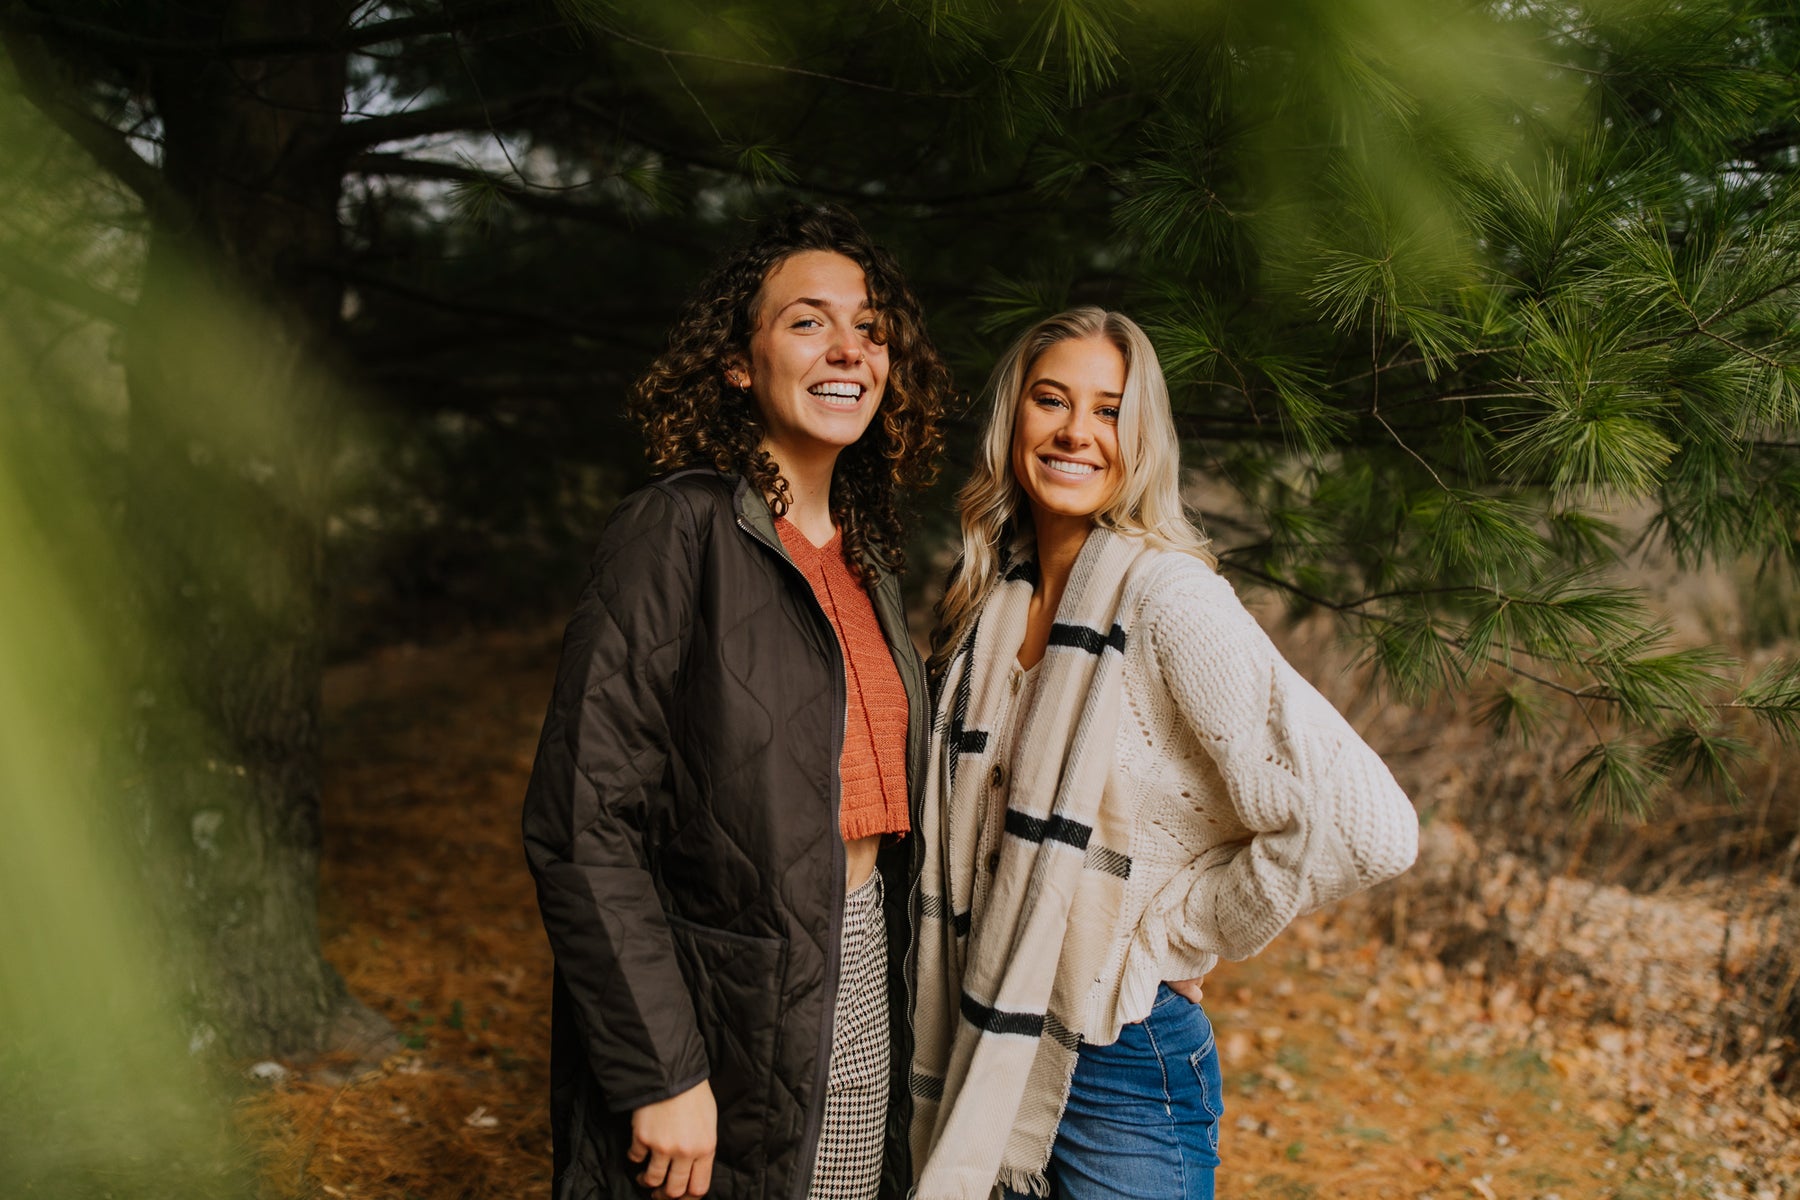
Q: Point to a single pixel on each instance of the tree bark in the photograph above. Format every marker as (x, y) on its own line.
(231, 444)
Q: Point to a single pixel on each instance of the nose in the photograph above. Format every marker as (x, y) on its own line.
(1075, 428)
(846, 347)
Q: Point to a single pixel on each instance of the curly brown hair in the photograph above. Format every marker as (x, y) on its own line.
(691, 416)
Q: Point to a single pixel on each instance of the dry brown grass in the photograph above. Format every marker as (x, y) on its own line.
(428, 912)
(1357, 1072)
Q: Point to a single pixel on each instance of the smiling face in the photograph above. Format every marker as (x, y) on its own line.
(1065, 445)
(814, 367)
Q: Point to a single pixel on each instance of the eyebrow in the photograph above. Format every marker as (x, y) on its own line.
(1055, 383)
(818, 302)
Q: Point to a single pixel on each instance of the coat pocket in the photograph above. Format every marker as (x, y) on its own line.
(735, 980)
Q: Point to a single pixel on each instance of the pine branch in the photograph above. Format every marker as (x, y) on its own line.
(488, 115)
(670, 52)
(36, 22)
(1616, 777)
(1774, 698)
(108, 147)
(538, 318)
(1748, 302)
(1648, 689)
(1705, 758)
(1020, 188)
(64, 289)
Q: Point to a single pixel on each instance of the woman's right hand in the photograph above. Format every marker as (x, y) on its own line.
(1189, 989)
(675, 1139)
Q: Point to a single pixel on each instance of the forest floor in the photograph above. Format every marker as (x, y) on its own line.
(1352, 1070)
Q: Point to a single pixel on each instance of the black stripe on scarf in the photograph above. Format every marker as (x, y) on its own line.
(1061, 1034)
(1091, 640)
(1111, 862)
(995, 1020)
(1052, 828)
(937, 908)
(963, 741)
(969, 741)
(1025, 568)
(925, 1087)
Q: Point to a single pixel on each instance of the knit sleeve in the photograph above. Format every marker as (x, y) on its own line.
(1325, 816)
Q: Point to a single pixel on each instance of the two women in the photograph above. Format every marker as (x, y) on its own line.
(717, 812)
(1126, 782)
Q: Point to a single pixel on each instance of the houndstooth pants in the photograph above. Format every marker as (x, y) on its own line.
(856, 1092)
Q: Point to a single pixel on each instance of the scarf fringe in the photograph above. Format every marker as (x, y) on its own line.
(1021, 1179)
(1030, 1176)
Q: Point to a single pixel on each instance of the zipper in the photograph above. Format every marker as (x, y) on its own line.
(918, 752)
(834, 943)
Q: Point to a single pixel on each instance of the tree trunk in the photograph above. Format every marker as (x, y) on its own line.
(231, 443)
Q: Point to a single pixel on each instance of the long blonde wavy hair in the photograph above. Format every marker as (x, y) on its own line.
(995, 518)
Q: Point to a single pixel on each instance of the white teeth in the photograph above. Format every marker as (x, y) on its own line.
(1069, 468)
(848, 391)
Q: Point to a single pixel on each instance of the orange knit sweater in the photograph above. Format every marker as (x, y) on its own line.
(873, 765)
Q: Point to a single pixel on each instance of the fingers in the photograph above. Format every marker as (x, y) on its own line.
(684, 1177)
(700, 1182)
(1188, 989)
(675, 1140)
(675, 1183)
(656, 1171)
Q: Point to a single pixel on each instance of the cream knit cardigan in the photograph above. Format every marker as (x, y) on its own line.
(1225, 852)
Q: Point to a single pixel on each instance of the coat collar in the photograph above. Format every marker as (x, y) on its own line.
(753, 510)
(754, 513)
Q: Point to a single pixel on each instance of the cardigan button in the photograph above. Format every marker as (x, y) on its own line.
(994, 863)
(999, 775)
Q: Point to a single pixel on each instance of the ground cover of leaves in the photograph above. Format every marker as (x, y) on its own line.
(1352, 1070)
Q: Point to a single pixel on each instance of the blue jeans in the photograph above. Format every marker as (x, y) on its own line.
(1143, 1113)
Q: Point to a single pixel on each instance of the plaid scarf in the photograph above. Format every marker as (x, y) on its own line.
(1004, 992)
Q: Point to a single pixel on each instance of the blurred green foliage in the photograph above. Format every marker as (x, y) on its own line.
(100, 1091)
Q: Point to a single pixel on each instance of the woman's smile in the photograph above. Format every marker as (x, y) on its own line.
(840, 394)
(1069, 466)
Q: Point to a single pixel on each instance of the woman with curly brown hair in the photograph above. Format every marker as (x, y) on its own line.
(733, 751)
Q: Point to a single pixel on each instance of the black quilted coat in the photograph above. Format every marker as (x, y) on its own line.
(682, 826)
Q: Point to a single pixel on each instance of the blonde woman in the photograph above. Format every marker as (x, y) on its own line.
(1127, 783)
